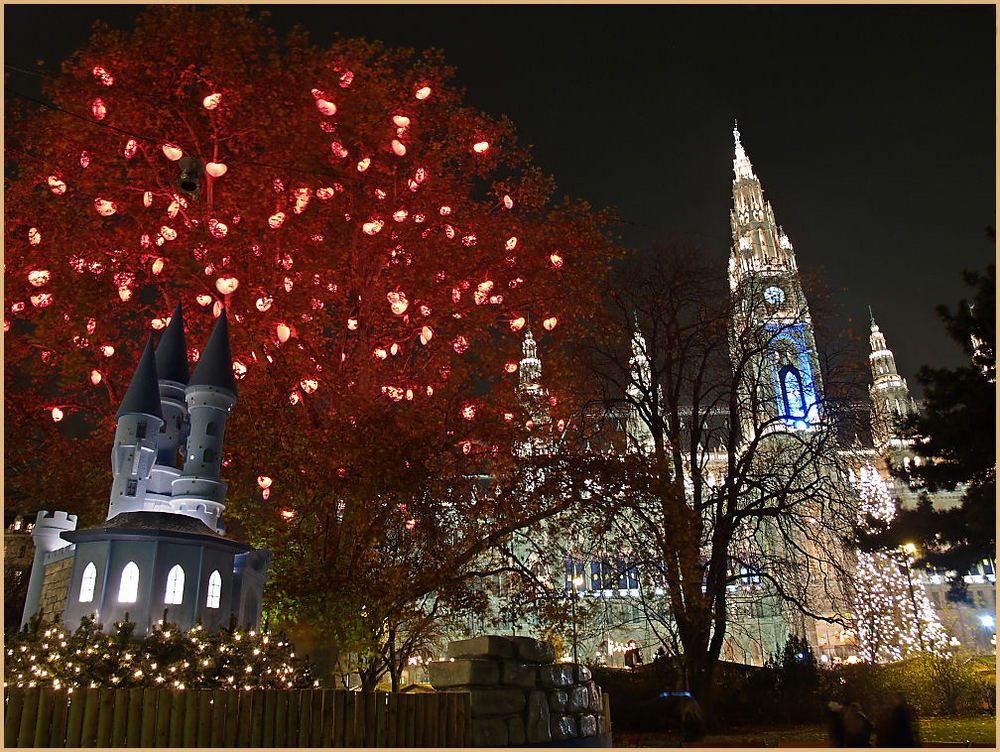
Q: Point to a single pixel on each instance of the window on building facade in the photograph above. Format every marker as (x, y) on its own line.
(128, 588)
(175, 585)
(214, 590)
(791, 392)
(131, 487)
(209, 455)
(87, 583)
(140, 429)
(210, 429)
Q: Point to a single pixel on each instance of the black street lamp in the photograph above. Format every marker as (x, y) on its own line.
(576, 582)
(910, 549)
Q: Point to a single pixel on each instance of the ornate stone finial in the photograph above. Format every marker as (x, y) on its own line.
(741, 164)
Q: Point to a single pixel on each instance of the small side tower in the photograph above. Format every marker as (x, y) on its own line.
(45, 534)
(172, 375)
(139, 420)
(533, 396)
(891, 400)
(198, 491)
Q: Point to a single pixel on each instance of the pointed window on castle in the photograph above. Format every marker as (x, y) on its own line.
(128, 588)
(131, 487)
(175, 585)
(209, 455)
(214, 590)
(87, 583)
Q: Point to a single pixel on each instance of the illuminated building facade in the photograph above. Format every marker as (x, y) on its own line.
(782, 398)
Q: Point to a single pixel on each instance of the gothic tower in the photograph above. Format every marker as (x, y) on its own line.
(640, 381)
(532, 395)
(770, 313)
(891, 401)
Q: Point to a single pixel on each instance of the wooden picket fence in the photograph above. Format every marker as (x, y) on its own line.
(228, 718)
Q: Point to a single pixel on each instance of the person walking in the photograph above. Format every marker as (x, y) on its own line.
(897, 724)
(835, 723)
(857, 727)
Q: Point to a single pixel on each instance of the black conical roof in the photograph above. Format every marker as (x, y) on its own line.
(143, 393)
(171, 353)
(215, 366)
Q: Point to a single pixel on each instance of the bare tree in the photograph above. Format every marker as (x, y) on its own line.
(734, 477)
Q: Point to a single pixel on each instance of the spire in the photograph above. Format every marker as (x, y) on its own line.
(143, 393)
(530, 367)
(171, 353)
(215, 366)
(871, 316)
(741, 164)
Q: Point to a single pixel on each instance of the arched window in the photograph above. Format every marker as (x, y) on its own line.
(87, 583)
(214, 590)
(209, 455)
(792, 395)
(175, 585)
(128, 589)
(210, 429)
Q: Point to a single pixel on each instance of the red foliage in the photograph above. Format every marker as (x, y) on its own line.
(370, 255)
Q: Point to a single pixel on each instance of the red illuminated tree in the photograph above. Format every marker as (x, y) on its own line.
(378, 245)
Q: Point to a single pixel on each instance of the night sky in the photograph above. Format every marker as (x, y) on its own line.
(872, 129)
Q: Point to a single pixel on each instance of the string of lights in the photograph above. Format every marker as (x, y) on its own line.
(50, 656)
(895, 618)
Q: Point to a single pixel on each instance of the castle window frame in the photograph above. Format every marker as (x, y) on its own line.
(140, 429)
(128, 585)
(174, 593)
(209, 455)
(214, 590)
(210, 429)
(87, 583)
(131, 487)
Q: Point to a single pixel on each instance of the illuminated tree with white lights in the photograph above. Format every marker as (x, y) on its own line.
(379, 247)
(895, 618)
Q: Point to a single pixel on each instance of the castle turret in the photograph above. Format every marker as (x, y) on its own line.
(210, 395)
(45, 534)
(172, 376)
(891, 400)
(139, 420)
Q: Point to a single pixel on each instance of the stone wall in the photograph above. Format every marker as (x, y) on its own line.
(55, 587)
(520, 696)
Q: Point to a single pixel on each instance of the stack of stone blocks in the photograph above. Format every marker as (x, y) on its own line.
(519, 694)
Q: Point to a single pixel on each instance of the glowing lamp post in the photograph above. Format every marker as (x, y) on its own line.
(577, 581)
(910, 549)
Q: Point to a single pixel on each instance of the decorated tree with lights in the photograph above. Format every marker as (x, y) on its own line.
(895, 618)
(379, 247)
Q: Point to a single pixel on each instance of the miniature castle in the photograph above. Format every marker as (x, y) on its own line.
(162, 546)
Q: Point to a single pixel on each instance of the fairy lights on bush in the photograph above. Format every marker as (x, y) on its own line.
(51, 656)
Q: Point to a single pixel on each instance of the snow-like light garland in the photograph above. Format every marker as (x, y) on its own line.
(895, 618)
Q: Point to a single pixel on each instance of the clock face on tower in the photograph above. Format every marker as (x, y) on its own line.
(774, 295)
